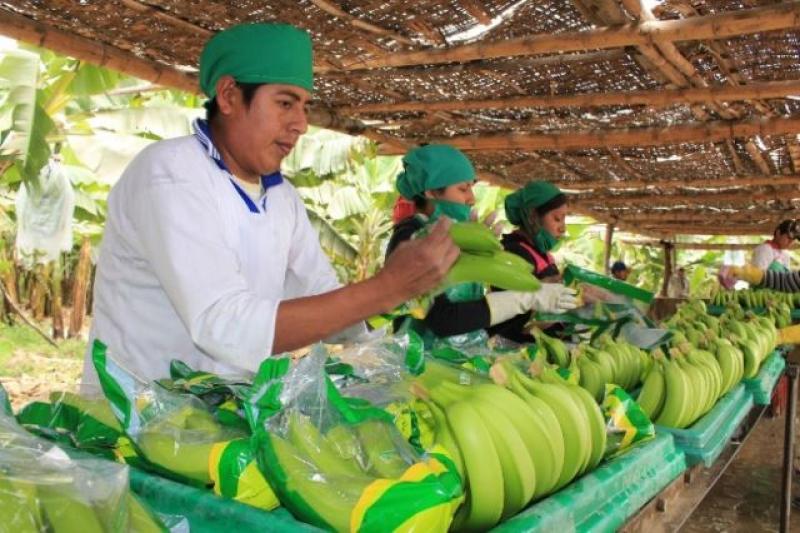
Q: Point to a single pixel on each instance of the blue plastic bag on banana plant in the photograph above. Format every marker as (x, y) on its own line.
(43, 489)
(339, 463)
(626, 424)
(178, 437)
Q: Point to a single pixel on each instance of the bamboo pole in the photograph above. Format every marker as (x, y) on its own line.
(711, 27)
(700, 183)
(710, 230)
(655, 98)
(607, 250)
(742, 197)
(636, 216)
(41, 35)
(337, 12)
(578, 140)
(694, 245)
(56, 301)
(667, 266)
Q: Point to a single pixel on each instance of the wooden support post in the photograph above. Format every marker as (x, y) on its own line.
(607, 255)
(80, 285)
(667, 266)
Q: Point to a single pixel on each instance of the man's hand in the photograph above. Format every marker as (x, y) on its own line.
(419, 265)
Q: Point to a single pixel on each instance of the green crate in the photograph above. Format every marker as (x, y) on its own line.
(762, 385)
(605, 498)
(208, 513)
(706, 439)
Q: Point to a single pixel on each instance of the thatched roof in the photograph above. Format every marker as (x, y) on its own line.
(681, 119)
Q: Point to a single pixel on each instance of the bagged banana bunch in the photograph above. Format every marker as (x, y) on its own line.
(626, 423)
(178, 437)
(43, 489)
(338, 463)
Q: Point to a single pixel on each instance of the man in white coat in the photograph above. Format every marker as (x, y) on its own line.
(208, 255)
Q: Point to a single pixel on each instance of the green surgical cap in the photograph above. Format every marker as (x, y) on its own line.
(534, 194)
(258, 53)
(432, 167)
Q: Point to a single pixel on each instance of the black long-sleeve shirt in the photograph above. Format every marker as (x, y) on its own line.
(444, 318)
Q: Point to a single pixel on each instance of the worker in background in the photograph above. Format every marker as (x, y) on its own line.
(438, 178)
(772, 255)
(539, 212)
(678, 284)
(620, 271)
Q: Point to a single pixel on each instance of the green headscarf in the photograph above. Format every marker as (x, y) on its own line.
(519, 205)
(432, 167)
(535, 194)
(258, 53)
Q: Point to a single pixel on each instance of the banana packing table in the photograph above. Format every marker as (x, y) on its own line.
(717, 310)
(712, 443)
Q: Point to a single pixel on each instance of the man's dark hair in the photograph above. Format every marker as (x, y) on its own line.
(248, 93)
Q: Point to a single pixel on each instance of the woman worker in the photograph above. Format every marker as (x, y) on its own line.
(539, 212)
(438, 179)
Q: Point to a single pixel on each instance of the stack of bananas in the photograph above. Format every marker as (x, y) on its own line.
(617, 362)
(330, 471)
(778, 305)
(515, 440)
(709, 357)
(483, 260)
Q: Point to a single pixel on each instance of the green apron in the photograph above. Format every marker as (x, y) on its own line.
(775, 266)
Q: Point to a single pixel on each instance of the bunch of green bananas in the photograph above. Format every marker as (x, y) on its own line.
(617, 362)
(56, 504)
(483, 260)
(554, 349)
(330, 470)
(514, 443)
(752, 298)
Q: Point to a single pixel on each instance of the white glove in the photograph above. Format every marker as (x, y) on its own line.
(554, 298)
(550, 298)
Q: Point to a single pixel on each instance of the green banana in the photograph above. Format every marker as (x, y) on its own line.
(19, 508)
(597, 424)
(676, 409)
(326, 501)
(519, 474)
(444, 437)
(512, 259)
(141, 519)
(303, 434)
(470, 268)
(475, 237)
(651, 397)
(382, 451)
(485, 491)
(574, 426)
(65, 511)
(557, 352)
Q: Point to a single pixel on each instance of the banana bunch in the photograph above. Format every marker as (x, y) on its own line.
(616, 362)
(678, 391)
(483, 260)
(323, 476)
(55, 504)
(513, 443)
(750, 298)
(554, 350)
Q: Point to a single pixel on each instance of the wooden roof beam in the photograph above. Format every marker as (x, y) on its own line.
(332, 9)
(699, 183)
(711, 200)
(704, 132)
(718, 26)
(721, 229)
(656, 98)
(694, 245)
(691, 217)
(96, 53)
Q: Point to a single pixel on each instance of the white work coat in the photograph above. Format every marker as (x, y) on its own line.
(187, 270)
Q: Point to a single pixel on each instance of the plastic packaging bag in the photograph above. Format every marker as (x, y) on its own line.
(44, 216)
(339, 463)
(43, 489)
(178, 437)
(626, 423)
